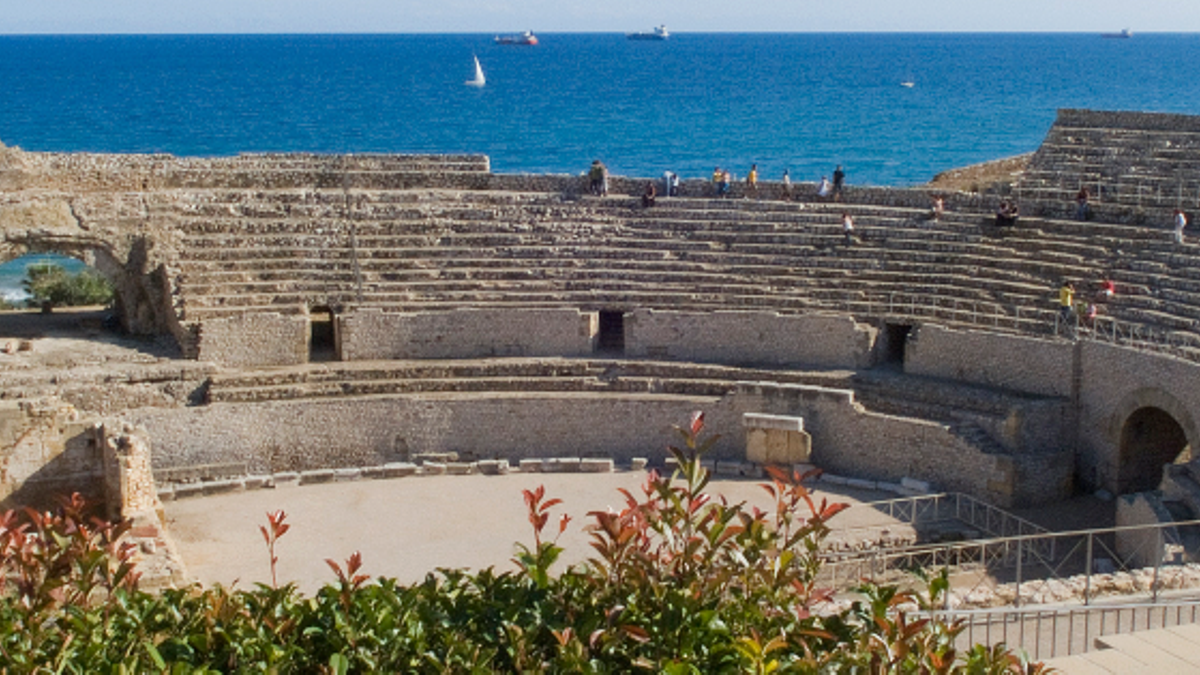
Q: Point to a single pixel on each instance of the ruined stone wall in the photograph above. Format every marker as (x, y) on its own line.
(251, 340)
(46, 450)
(1028, 364)
(849, 440)
(330, 433)
(466, 333)
(749, 338)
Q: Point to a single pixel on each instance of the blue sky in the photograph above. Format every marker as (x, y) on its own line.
(488, 16)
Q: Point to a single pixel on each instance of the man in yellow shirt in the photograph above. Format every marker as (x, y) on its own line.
(1066, 301)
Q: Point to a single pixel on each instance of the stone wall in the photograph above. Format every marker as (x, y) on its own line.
(466, 333)
(257, 339)
(849, 440)
(1115, 382)
(46, 450)
(749, 338)
(1028, 364)
(303, 435)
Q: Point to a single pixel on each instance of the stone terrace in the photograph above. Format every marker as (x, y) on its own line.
(1139, 167)
(288, 250)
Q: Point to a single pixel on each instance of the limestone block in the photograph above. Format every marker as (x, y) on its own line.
(860, 483)
(220, 487)
(166, 493)
(531, 465)
(343, 475)
(917, 485)
(596, 465)
(670, 464)
(184, 490)
(889, 487)
(258, 482)
(751, 470)
(316, 476)
(460, 468)
(638, 464)
(285, 479)
(493, 467)
(399, 469)
(433, 469)
(562, 465)
(776, 439)
(726, 468)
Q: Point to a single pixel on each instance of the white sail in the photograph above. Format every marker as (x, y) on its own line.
(479, 80)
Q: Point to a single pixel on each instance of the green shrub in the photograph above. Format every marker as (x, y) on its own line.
(681, 582)
(48, 283)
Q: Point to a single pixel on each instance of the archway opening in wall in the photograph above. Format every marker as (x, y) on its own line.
(1150, 439)
(50, 293)
(322, 341)
(612, 332)
(895, 340)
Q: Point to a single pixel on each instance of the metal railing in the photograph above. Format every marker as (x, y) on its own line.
(1052, 633)
(949, 506)
(1181, 343)
(1057, 567)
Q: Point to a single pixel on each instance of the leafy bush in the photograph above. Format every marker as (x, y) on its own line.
(48, 283)
(680, 582)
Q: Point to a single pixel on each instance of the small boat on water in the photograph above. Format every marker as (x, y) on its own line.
(1124, 33)
(479, 80)
(659, 33)
(908, 84)
(526, 38)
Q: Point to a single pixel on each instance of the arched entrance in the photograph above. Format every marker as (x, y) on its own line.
(1150, 438)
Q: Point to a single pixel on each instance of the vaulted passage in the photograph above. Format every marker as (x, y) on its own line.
(322, 343)
(1150, 439)
(612, 332)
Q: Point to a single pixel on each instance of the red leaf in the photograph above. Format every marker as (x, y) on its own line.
(697, 422)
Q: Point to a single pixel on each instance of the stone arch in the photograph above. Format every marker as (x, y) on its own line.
(142, 295)
(1152, 429)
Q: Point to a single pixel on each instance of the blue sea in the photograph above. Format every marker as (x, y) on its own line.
(799, 101)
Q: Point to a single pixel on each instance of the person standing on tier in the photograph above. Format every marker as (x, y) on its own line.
(1066, 302)
(823, 188)
(1180, 223)
(787, 186)
(839, 182)
(716, 180)
(726, 181)
(848, 228)
(648, 197)
(1081, 204)
(752, 181)
(598, 178)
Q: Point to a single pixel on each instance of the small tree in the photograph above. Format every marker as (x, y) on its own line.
(49, 285)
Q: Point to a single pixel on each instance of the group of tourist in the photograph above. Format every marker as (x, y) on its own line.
(1084, 311)
(722, 181)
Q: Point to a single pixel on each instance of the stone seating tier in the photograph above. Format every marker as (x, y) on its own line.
(1138, 167)
(773, 242)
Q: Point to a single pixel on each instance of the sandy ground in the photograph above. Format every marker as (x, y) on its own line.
(408, 527)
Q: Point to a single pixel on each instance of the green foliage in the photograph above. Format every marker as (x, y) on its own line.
(50, 283)
(680, 582)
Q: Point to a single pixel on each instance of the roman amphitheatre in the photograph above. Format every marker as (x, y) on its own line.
(294, 319)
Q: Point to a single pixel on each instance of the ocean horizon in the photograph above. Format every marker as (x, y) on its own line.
(892, 108)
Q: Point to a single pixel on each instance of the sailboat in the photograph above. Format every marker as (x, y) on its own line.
(479, 80)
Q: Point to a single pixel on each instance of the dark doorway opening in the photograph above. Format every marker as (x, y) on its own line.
(895, 339)
(1150, 439)
(322, 344)
(612, 332)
